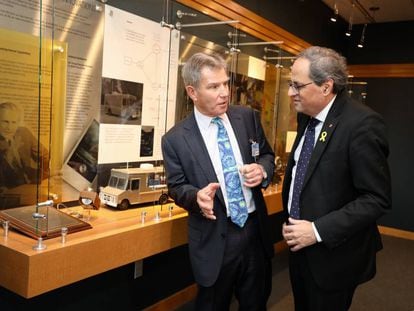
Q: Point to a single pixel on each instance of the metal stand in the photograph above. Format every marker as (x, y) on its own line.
(63, 234)
(6, 228)
(86, 217)
(143, 215)
(37, 216)
(157, 216)
(39, 246)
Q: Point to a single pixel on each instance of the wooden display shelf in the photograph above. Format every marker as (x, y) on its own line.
(116, 239)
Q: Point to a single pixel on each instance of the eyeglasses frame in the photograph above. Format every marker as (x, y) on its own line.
(297, 87)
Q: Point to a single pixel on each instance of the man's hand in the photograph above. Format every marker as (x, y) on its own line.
(205, 200)
(298, 234)
(253, 174)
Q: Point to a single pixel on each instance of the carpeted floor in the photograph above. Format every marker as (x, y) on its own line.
(391, 290)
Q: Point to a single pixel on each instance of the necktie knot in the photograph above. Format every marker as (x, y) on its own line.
(312, 123)
(217, 121)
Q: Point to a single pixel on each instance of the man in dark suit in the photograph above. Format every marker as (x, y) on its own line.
(226, 257)
(345, 187)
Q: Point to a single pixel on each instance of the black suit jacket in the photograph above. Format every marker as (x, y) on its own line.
(346, 189)
(189, 168)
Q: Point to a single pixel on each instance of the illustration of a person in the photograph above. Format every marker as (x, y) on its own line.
(22, 159)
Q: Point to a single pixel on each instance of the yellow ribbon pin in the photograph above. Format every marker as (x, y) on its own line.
(323, 136)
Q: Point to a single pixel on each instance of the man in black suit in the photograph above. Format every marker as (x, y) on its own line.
(226, 258)
(346, 186)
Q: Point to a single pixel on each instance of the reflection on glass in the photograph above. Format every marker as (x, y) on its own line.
(255, 83)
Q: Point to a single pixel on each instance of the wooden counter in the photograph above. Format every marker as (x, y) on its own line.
(116, 239)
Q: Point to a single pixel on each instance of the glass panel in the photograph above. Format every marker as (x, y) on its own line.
(285, 124)
(36, 40)
(32, 87)
(59, 90)
(260, 84)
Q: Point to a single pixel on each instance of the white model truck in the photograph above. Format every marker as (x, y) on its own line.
(128, 186)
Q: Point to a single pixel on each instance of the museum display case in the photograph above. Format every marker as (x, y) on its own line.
(97, 84)
(80, 98)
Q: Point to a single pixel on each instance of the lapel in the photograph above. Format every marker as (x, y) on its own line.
(197, 147)
(327, 131)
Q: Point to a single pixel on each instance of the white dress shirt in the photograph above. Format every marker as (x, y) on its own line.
(321, 116)
(209, 132)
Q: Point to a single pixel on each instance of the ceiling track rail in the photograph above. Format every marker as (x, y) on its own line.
(363, 10)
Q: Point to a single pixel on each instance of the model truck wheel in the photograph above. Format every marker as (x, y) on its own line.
(124, 205)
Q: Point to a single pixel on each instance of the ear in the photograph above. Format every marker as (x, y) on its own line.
(191, 92)
(328, 87)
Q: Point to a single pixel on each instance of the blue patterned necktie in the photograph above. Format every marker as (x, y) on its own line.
(235, 198)
(301, 167)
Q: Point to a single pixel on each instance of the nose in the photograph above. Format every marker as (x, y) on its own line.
(291, 91)
(224, 90)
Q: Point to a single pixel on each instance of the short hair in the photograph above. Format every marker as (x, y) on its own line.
(191, 71)
(326, 64)
(13, 107)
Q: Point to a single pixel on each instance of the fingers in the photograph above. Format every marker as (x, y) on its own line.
(208, 192)
(252, 174)
(207, 213)
(298, 234)
(205, 200)
(294, 221)
(292, 241)
(211, 189)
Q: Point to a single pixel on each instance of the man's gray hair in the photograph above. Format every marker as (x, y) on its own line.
(326, 64)
(191, 71)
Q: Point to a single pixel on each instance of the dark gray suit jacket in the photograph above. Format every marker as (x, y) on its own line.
(189, 168)
(347, 188)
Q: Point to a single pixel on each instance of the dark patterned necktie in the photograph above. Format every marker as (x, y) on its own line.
(302, 166)
(235, 197)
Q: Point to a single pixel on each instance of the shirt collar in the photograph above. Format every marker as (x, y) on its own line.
(204, 121)
(321, 116)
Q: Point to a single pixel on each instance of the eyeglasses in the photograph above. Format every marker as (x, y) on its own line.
(296, 87)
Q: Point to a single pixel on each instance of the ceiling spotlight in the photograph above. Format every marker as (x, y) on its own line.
(336, 12)
(349, 31)
(350, 22)
(361, 41)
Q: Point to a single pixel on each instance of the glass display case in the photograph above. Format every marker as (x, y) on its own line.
(91, 86)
